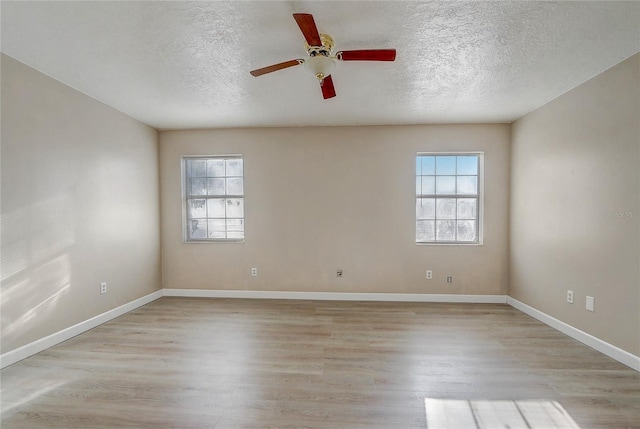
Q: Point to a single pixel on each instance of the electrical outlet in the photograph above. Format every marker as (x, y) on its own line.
(429, 274)
(254, 272)
(103, 287)
(590, 303)
(339, 273)
(570, 296)
(449, 279)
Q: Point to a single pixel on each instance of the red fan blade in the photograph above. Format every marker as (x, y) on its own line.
(308, 27)
(328, 91)
(276, 67)
(367, 55)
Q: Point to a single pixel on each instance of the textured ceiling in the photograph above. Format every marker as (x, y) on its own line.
(176, 65)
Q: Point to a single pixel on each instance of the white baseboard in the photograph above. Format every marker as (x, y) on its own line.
(610, 350)
(337, 296)
(37, 346)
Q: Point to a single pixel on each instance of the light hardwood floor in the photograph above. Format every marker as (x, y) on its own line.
(224, 363)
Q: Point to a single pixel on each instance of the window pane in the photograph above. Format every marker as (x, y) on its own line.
(467, 208)
(467, 185)
(425, 230)
(235, 224)
(234, 167)
(215, 167)
(466, 230)
(216, 186)
(428, 165)
(234, 186)
(445, 165)
(445, 185)
(216, 228)
(235, 207)
(426, 185)
(446, 208)
(197, 209)
(467, 165)
(198, 168)
(197, 229)
(235, 228)
(445, 230)
(198, 187)
(425, 208)
(215, 208)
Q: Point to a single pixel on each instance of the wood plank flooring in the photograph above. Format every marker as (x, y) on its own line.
(233, 364)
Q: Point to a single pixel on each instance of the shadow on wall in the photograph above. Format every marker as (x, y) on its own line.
(36, 264)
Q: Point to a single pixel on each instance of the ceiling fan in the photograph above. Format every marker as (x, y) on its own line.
(321, 62)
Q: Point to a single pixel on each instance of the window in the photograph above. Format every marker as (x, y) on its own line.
(213, 192)
(448, 203)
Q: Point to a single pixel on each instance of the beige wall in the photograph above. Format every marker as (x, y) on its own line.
(322, 199)
(79, 206)
(575, 204)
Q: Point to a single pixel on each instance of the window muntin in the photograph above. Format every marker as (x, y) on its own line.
(448, 198)
(213, 189)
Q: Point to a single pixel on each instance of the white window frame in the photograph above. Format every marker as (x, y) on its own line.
(187, 196)
(479, 199)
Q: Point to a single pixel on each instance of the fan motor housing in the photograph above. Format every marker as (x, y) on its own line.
(325, 50)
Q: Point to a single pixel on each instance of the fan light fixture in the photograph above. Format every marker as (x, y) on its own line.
(320, 66)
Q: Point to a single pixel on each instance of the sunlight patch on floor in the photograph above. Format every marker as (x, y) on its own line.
(488, 414)
(27, 391)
